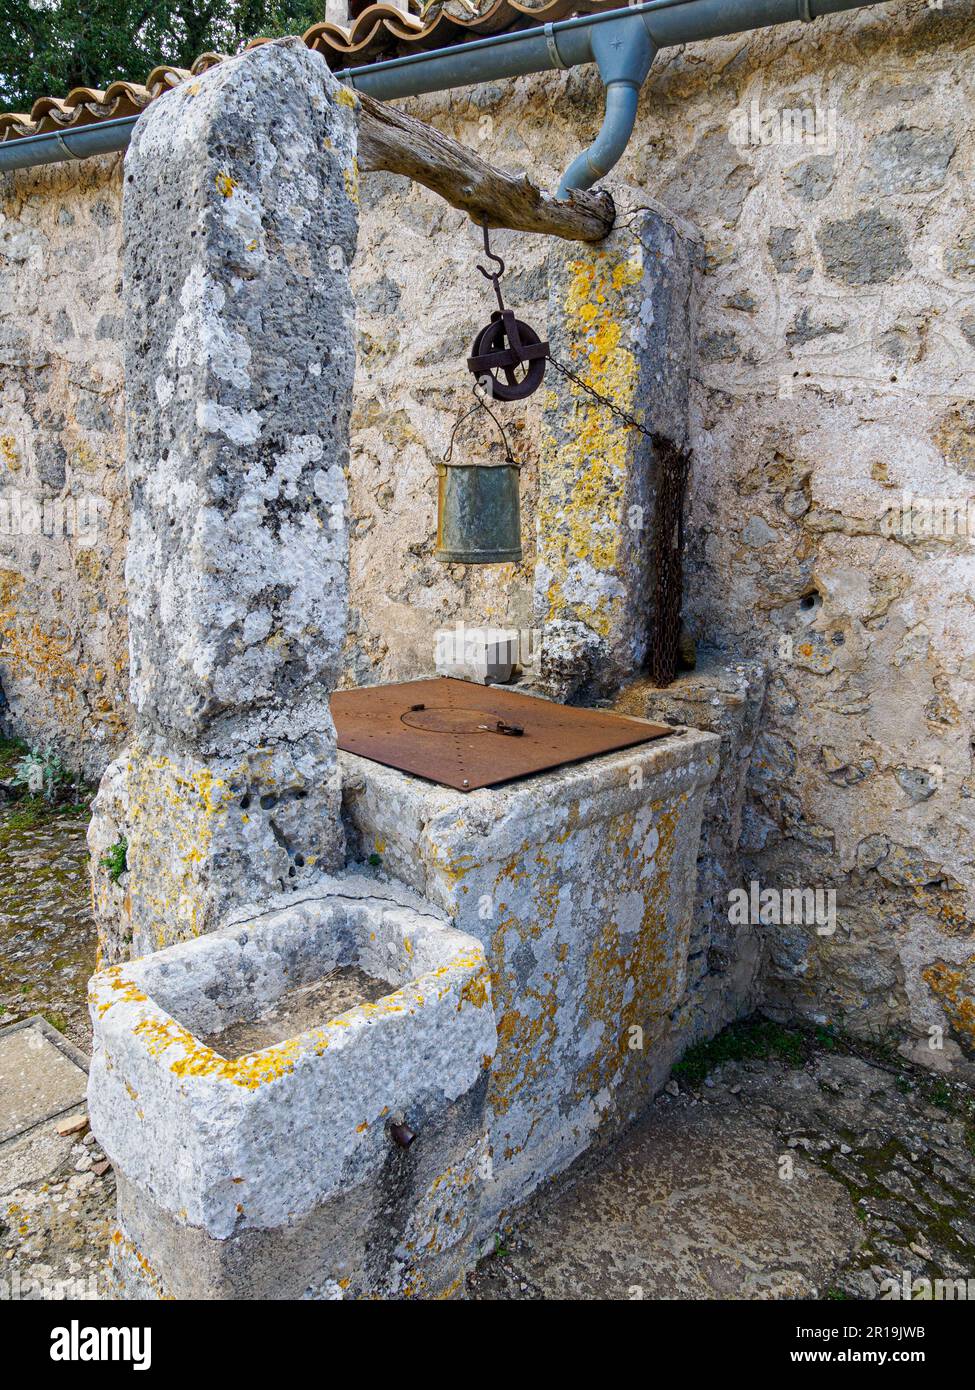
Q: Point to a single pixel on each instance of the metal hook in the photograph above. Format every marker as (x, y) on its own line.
(492, 275)
(492, 256)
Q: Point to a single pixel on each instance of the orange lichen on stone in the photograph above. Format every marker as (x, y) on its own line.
(585, 473)
(526, 1016)
(125, 991)
(642, 965)
(954, 988)
(38, 653)
(475, 991)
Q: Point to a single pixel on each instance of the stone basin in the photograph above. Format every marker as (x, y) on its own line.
(276, 1173)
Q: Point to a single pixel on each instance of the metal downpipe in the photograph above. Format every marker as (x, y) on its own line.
(622, 99)
(623, 52)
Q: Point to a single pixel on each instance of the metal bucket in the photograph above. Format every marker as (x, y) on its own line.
(478, 514)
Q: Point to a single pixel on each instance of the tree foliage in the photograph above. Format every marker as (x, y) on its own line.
(49, 46)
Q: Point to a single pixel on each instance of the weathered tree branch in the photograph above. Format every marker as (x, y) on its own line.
(390, 139)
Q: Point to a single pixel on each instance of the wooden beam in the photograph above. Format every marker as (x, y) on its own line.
(398, 143)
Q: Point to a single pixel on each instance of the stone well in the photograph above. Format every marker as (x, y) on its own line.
(530, 940)
(580, 883)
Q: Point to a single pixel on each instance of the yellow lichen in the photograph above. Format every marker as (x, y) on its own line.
(351, 179)
(954, 988)
(584, 471)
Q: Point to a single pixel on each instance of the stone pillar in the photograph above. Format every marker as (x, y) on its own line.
(620, 316)
(240, 224)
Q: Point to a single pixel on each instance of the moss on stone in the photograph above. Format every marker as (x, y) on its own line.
(754, 1039)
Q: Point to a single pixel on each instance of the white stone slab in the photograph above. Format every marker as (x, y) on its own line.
(41, 1076)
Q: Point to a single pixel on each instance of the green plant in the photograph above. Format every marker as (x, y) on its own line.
(41, 772)
(51, 47)
(940, 1095)
(375, 860)
(752, 1039)
(29, 811)
(10, 750)
(115, 859)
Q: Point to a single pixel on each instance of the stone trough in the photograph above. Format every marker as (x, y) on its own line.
(277, 1174)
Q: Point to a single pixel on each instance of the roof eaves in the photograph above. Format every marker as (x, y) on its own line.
(378, 32)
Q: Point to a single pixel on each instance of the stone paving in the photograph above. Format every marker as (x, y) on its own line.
(56, 1216)
(767, 1180)
(41, 1077)
(56, 1187)
(55, 1208)
(47, 933)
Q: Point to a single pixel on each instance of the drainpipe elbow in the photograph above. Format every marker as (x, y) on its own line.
(605, 151)
(623, 51)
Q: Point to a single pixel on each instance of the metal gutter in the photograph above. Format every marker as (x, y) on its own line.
(622, 43)
(54, 146)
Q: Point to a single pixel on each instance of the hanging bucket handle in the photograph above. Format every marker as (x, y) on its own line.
(481, 404)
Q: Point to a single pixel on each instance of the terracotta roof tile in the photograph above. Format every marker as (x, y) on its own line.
(85, 105)
(377, 31)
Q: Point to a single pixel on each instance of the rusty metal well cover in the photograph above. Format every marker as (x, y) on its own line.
(467, 736)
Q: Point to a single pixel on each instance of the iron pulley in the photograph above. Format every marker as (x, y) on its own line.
(507, 357)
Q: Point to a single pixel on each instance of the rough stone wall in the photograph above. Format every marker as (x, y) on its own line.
(419, 303)
(836, 365)
(63, 634)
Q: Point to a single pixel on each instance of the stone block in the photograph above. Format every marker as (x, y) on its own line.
(724, 696)
(580, 885)
(274, 1174)
(207, 834)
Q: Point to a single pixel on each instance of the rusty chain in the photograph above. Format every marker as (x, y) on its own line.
(611, 406)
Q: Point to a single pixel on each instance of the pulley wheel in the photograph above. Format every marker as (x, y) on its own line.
(519, 379)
